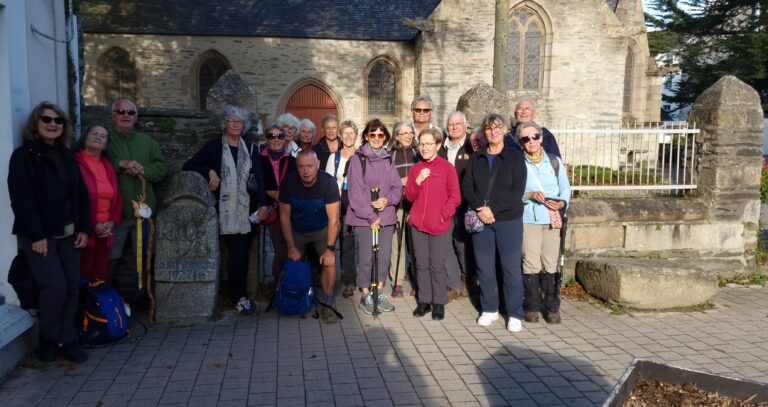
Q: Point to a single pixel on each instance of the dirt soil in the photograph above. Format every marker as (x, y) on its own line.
(652, 393)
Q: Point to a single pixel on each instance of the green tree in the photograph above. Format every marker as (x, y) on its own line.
(716, 37)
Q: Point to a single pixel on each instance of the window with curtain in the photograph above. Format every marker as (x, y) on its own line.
(119, 79)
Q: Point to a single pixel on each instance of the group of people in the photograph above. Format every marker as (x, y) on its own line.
(394, 198)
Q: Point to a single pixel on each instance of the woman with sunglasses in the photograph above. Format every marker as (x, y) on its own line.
(493, 186)
(547, 192)
(276, 163)
(52, 222)
(348, 148)
(231, 166)
(374, 189)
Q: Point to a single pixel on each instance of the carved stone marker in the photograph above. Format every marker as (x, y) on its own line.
(187, 251)
(233, 89)
(481, 100)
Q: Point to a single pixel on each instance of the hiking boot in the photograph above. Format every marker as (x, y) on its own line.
(366, 304)
(514, 325)
(553, 317)
(397, 291)
(438, 312)
(349, 291)
(487, 318)
(46, 352)
(463, 291)
(531, 316)
(71, 352)
(421, 309)
(384, 305)
(245, 307)
(327, 316)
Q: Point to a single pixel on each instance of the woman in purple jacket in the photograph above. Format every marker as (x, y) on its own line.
(371, 169)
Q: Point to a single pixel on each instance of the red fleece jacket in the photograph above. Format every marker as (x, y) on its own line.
(436, 199)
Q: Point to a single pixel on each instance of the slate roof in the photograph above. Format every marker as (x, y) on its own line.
(350, 19)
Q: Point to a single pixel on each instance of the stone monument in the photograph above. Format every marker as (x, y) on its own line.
(481, 100)
(187, 251)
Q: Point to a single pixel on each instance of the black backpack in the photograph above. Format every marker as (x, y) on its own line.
(23, 282)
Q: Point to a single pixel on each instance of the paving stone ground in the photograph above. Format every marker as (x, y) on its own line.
(401, 360)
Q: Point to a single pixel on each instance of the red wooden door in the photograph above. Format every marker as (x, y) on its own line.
(311, 102)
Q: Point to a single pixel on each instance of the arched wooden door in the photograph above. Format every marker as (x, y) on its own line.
(311, 102)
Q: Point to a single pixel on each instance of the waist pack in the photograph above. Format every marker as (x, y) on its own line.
(294, 295)
(104, 316)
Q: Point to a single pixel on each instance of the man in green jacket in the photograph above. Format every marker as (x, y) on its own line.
(132, 153)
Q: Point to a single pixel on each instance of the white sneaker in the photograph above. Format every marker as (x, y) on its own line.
(514, 325)
(487, 318)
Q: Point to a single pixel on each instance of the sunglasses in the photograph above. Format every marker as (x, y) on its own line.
(380, 136)
(273, 136)
(122, 112)
(526, 139)
(419, 110)
(48, 119)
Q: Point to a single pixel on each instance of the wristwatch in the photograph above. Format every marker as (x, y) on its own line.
(331, 247)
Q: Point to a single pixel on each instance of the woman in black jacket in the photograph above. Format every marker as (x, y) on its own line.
(493, 185)
(52, 222)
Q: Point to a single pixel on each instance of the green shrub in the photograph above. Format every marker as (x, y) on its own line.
(595, 175)
(764, 184)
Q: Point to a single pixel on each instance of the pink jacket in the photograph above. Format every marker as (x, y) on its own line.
(436, 199)
(89, 179)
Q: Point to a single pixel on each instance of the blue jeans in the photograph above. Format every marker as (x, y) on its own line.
(506, 237)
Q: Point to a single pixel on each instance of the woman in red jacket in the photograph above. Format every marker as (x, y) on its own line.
(105, 199)
(433, 187)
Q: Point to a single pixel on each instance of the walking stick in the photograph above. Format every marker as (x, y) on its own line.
(143, 212)
(561, 259)
(401, 223)
(375, 268)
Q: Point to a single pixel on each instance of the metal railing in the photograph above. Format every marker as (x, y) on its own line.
(655, 158)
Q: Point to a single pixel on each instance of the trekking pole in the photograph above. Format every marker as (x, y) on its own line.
(401, 223)
(375, 268)
(561, 259)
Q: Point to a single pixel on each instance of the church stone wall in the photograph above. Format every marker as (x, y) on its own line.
(166, 66)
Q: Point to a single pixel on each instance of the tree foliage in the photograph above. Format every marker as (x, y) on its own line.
(716, 38)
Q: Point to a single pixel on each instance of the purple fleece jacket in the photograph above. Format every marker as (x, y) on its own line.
(379, 172)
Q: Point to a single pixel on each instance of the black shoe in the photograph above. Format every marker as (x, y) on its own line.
(71, 352)
(421, 309)
(46, 352)
(349, 291)
(438, 312)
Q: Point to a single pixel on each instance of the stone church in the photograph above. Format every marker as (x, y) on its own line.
(580, 60)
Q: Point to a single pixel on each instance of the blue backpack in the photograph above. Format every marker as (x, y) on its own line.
(294, 295)
(104, 316)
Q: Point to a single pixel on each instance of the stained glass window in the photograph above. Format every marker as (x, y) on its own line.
(381, 90)
(525, 44)
(119, 80)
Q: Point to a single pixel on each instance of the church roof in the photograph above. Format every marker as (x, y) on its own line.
(331, 19)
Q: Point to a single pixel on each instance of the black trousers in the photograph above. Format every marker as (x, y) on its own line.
(238, 251)
(57, 275)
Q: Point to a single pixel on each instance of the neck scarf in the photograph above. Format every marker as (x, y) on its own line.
(233, 195)
(536, 157)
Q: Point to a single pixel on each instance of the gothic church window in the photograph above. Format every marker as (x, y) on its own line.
(119, 79)
(381, 90)
(525, 42)
(211, 69)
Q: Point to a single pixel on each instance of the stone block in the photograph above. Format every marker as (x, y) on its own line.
(717, 237)
(481, 100)
(600, 237)
(648, 284)
(233, 89)
(185, 301)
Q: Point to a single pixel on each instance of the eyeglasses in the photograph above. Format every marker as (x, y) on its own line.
(420, 110)
(48, 119)
(273, 136)
(526, 139)
(235, 122)
(524, 109)
(427, 145)
(123, 112)
(380, 136)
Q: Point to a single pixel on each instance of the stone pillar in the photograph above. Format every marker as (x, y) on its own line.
(729, 155)
(187, 251)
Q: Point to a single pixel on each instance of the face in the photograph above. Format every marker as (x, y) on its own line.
(124, 116)
(495, 133)
(422, 113)
(473, 141)
(457, 127)
(305, 135)
(524, 111)
(234, 126)
(96, 139)
(50, 131)
(275, 139)
(376, 138)
(428, 147)
(307, 167)
(290, 132)
(331, 130)
(404, 136)
(530, 139)
(348, 137)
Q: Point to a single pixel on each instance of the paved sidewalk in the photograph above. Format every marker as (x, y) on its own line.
(402, 360)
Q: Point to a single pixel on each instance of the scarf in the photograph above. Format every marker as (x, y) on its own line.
(234, 200)
(537, 157)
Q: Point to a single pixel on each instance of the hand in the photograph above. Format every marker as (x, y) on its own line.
(486, 215)
(101, 230)
(376, 224)
(294, 253)
(213, 180)
(131, 167)
(380, 204)
(423, 174)
(81, 240)
(554, 205)
(404, 180)
(263, 213)
(328, 258)
(40, 247)
(536, 196)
